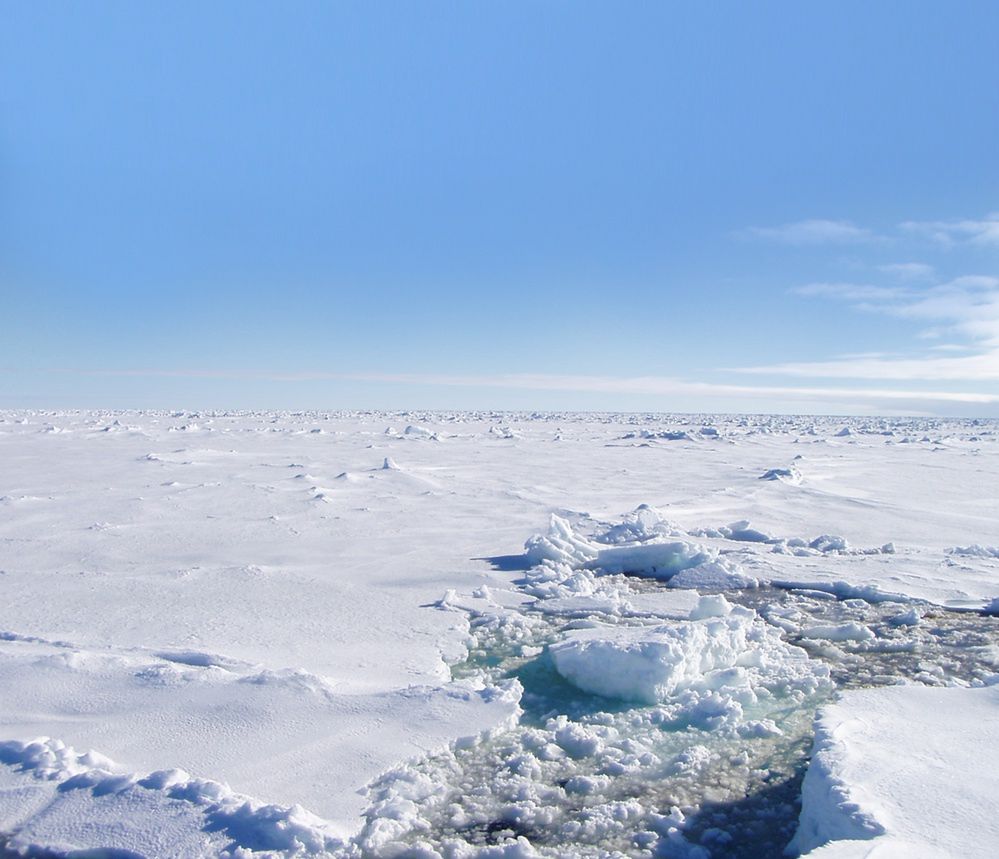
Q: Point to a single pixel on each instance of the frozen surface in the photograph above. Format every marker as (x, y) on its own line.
(278, 607)
(904, 771)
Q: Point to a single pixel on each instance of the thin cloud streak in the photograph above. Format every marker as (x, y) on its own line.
(984, 231)
(814, 231)
(909, 271)
(965, 307)
(983, 367)
(850, 291)
(644, 385)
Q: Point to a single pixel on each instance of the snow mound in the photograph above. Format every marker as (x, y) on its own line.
(502, 432)
(738, 531)
(414, 431)
(721, 649)
(784, 475)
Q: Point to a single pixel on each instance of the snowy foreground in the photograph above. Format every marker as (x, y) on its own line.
(498, 635)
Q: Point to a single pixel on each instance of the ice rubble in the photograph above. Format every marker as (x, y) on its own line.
(648, 545)
(653, 557)
(572, 776)
(575, 779)
(708, 671)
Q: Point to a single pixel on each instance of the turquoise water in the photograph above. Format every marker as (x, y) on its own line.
(582, 775)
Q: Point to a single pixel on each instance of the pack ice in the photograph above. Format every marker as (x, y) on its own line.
(321, 634)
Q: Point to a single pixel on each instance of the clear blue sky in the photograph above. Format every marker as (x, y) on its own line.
(649, 206)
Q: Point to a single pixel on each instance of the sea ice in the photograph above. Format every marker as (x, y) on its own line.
(720, 648)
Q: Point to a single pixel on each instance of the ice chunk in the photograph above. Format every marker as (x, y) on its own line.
(851, 631)
(653, 560)
(906, 618)
(644, 523)
(743, 533)
(829, 543)
(651, 664)
(714, 575)
(414, 431)
(711, 605)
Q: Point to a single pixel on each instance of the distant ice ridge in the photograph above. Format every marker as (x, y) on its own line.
(975, 551)
(705, 432)
(722, 658)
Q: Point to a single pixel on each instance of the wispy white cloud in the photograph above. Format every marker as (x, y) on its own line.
(942, 234)
(951, 347)
(969, 304)
(643, 385)
(857, 356)
(966, 307)
(984, 231)
(814, 231)
(962, 309)
(982, 367)
(909, 271)
(849, 291)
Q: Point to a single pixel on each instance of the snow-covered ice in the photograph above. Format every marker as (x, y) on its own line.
(312, 633)
(904, 771)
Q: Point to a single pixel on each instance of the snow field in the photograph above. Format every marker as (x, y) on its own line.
(250, 599)
(906, 770)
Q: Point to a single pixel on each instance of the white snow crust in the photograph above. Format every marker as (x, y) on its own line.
(904, 771)
(255, 619)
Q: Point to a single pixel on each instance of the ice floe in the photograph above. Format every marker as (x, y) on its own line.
(719, 651)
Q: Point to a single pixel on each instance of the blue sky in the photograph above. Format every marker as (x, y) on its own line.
(724, 206)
